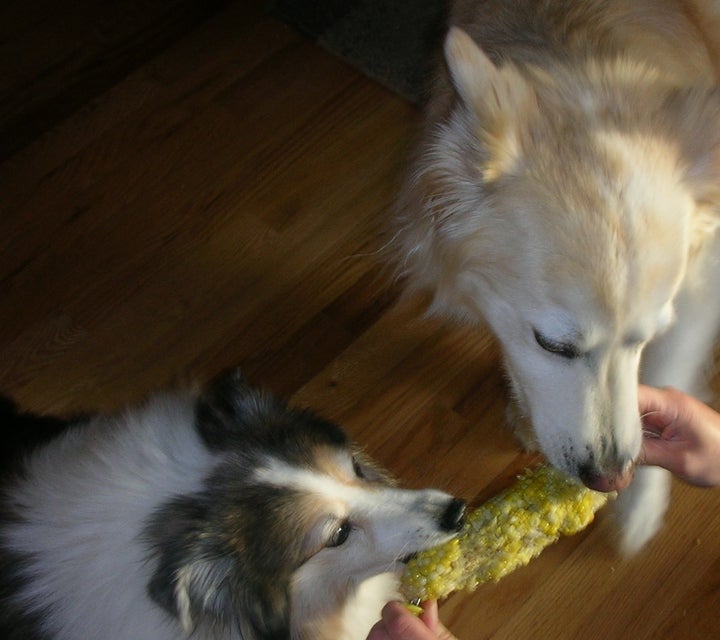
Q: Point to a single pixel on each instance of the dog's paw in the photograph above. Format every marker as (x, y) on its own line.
(641, 507)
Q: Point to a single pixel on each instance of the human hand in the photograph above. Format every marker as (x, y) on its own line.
(398, 623)
(681, 434)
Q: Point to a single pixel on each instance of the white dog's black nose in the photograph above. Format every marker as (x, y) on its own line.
(453, 518)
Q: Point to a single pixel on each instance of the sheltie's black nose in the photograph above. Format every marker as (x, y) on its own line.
(454, 517)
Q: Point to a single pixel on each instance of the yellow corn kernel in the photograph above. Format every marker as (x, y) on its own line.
(503, 534)
(413, 608)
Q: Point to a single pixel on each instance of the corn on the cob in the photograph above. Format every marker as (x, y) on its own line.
(503, 534)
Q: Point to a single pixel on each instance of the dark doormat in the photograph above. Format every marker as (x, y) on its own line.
(393, 41)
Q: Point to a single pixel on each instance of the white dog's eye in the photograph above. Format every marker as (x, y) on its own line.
(340, 535)
(562, 349)
(357, 468)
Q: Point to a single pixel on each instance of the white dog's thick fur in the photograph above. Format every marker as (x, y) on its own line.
(228, 516)
(566, 191)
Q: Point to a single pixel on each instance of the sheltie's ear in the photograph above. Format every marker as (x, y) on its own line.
(192, 591)
(198, 577)
(231, 409)
(190, 579)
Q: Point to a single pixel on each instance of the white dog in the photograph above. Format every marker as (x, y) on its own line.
(566, 190)
(227, 516)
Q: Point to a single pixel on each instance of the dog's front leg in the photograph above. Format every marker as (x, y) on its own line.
(641, 507)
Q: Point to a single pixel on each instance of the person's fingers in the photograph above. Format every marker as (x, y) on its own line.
(646, 394)
(400, 623)
(430, 614)
(378, 632)
(681, 434)
(654, 451)
(431, 618)
(653, 409)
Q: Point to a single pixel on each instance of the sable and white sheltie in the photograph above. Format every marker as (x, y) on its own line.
(566, 191)
(222, 516)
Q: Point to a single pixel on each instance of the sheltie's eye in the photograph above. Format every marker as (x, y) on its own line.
(340, 535)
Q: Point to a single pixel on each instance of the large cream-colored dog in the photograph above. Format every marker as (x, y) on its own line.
(567, 190)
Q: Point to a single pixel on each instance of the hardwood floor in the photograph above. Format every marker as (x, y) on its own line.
(220, 200)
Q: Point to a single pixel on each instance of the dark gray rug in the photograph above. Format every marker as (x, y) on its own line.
(393, 41)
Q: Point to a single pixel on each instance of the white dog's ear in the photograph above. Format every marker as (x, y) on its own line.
(497, 96)
(472, 72)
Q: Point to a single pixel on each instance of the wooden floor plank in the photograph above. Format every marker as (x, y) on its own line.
(69, 57)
